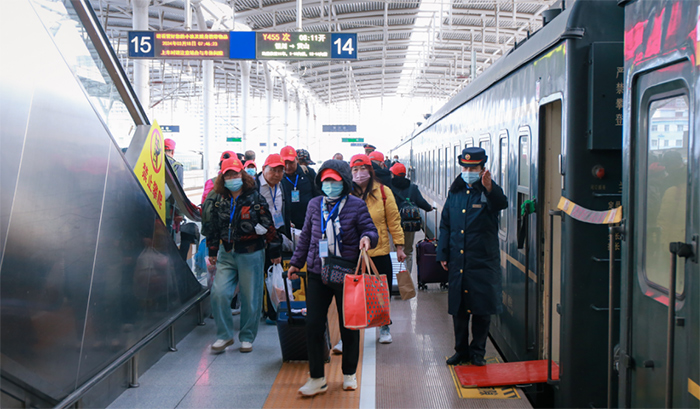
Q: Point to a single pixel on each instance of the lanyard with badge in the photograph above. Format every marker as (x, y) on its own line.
(230, 220)
(323, 243)
(295, 192)
(276, 215)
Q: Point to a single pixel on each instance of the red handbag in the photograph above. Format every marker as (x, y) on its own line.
(365, 297)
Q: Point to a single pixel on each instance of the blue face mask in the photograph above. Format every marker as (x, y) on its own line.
(234, 185)
(250, 171)
(470, 177)
(332, 189)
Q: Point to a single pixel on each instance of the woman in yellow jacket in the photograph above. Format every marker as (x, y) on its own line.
(385, 215)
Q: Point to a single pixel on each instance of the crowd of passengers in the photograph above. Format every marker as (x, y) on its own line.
(252, 215)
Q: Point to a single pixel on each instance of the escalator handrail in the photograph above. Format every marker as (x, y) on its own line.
(185, 206)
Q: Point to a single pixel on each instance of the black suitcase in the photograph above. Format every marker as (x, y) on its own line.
(291, 328)
(429, 269)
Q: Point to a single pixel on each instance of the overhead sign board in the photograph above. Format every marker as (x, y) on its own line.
(242, 45)
(195, 45)
(355, 140)
(340, 128)
(170, 128)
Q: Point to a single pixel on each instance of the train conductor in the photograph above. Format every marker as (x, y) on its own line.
(468, 249)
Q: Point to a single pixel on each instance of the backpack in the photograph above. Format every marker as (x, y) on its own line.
(207, 212)
(410, 214)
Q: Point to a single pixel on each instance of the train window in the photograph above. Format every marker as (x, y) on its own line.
(485, 144)
(503, 163)
(666, 190)
(524, 160)
(440, 172)
(457, 167)
(448, 171)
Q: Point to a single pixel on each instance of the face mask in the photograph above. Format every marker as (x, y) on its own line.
(360, 177)
(250, 171)
(332, 189)
(470, 177)
(234, 185)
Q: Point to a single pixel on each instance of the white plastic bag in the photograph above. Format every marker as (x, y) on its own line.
(275, 285)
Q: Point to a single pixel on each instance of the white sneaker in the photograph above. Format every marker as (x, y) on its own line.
(246, 346)
(220, 345)
(314, 386)
(349, 382)
(338, 348)
(385, 336)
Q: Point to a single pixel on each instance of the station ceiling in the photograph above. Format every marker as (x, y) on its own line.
(406, 48)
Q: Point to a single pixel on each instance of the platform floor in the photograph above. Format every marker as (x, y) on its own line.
(408, 373)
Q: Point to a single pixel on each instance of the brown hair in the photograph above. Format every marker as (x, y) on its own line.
(220, 187)
(357, 190)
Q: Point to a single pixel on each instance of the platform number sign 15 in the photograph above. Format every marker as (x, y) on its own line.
(141, 44)
(344, 45)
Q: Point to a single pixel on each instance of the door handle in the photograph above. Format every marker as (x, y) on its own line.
(677, 249)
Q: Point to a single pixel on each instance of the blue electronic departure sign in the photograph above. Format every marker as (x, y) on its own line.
(242, 45)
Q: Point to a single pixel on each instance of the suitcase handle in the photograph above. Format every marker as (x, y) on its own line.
(290, 315)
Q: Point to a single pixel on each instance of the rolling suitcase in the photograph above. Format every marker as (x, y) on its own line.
(429, 269)
(291, 328)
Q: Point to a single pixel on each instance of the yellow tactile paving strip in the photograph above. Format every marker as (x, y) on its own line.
(284, 392)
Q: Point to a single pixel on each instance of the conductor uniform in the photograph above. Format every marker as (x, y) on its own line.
(468, 248)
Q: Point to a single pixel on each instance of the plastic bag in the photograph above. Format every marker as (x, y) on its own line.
(275, 285)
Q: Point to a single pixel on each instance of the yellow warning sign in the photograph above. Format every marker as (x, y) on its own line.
(499, 392)
(590, 216)
(150, 171)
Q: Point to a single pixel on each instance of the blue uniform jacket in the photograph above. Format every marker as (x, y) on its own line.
(469, 243)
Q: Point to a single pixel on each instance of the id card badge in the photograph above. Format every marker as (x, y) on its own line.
(278, 219)
(323, 248)
(295, 196)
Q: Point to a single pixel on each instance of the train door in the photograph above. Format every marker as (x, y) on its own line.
(663, 202)
(549, 192)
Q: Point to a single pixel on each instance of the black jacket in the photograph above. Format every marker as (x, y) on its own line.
(403, 189)
(251, 208)
(307, 191)
(384, 175)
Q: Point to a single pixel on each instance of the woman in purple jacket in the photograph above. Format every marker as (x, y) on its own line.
(343, 224)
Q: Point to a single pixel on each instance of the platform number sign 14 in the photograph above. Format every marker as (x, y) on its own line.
(344, 45)
(141, 44)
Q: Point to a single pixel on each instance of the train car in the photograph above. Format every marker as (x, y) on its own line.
(659, 352)
(549, 115)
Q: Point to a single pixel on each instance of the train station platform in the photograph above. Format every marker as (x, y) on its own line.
(408, 373)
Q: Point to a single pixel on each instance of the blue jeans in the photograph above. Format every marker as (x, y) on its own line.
(233, 269)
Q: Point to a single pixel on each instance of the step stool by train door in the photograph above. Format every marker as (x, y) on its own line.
(660, 354)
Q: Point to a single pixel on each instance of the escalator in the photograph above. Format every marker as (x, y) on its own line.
(89, 274)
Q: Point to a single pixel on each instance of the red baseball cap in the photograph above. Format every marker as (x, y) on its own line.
(273, 161)
(250, 162)
(288, 153)
(169, 144)
(329, 173)
(376, 155)
(231, 163)
(398, 169)
(226, 154)
(360, 159)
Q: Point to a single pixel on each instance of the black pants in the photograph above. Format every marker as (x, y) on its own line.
(186, 241)
(480, 332)
(384, 266)
(318, 299)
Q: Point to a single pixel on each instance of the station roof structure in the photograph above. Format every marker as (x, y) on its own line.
(407, 48)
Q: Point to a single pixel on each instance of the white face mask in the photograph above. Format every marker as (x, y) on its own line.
(470, 177)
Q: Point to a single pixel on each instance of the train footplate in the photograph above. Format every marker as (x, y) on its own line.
(511, 373)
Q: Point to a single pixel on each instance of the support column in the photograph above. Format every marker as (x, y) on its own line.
(308, 116)
(299, 120)
(141, 69)
(269, 91)
(207, 96)
(245, 91)
(285, 99)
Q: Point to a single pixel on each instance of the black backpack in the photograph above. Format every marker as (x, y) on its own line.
(410, 214)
